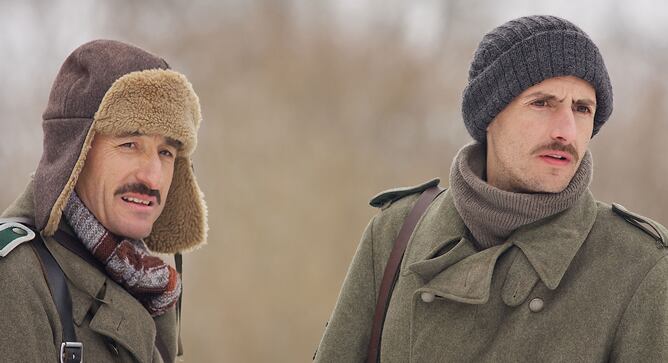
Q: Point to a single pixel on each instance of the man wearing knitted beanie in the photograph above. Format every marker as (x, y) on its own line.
(115, 183)
(515, 261)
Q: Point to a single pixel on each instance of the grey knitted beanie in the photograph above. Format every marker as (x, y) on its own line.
(522, 53)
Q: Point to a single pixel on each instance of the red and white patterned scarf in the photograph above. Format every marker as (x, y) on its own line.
(154, 283)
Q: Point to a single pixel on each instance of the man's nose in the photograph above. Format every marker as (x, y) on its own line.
(150, 171)
(563, 125)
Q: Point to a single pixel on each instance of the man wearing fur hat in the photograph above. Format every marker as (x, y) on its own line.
(115, 180)
(515, 261)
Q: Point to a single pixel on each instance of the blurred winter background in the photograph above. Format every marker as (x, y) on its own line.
(310, 108)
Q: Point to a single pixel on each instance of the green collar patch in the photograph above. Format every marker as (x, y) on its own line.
(13, 234)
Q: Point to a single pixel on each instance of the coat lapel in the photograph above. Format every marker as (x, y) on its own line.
(469, 280)
(550, 244)
(118, 315)
(127, 326)
(439, 229)
(450, 266)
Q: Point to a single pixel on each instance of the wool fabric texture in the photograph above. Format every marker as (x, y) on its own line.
(522, 53)
(151, 281)
(492, 214)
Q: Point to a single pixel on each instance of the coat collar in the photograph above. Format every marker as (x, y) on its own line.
(448, 263)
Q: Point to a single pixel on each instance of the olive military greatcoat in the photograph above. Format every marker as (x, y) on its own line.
(584, 285)
(112, 325)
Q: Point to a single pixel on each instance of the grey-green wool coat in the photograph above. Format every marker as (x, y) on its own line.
(599, 286)
(113, 325)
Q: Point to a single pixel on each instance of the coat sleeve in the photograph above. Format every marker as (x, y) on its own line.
(349, 329)
(642, 335)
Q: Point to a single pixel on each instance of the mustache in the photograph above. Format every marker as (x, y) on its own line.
(558, 147)
(140, 189)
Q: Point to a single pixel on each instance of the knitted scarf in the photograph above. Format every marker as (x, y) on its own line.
(492, 214)
(151, 281)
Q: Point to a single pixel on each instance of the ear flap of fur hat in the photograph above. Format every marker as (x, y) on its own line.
(182, 224)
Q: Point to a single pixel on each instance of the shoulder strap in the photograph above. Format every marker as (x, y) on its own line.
(71, 351)
(178, 262)
(653, 229)
(383, 199)
(392, 269)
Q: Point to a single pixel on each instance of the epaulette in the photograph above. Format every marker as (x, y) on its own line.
(388, 197)
(645, 224)
(13, 234)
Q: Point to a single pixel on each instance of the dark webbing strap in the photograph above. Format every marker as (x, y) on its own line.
(392, 269)
(178, 261)
(60, 293)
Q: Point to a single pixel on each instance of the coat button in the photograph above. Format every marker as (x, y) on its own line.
(427, 297)
(536, 305)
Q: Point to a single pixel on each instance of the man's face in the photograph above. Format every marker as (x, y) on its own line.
(125, 181)
(537, 142)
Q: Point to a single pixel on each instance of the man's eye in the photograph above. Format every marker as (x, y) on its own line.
(539, 103)
(128, 145)
(167, 153)
(583, 109)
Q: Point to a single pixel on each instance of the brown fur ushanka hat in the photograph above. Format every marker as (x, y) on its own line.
(114, 88)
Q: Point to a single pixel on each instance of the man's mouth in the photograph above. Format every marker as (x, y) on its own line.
(139, 194)
(557, 154)
(137, 201)
(558, 158)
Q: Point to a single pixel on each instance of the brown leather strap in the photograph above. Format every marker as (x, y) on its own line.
(392, 269)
